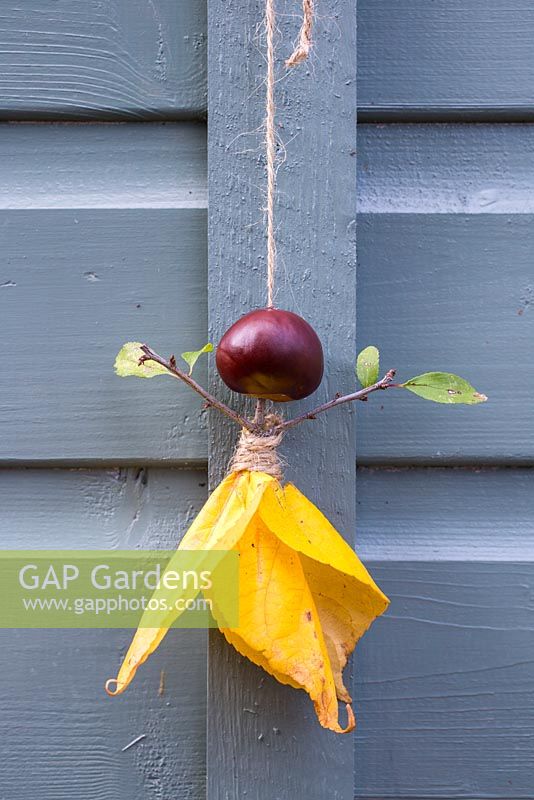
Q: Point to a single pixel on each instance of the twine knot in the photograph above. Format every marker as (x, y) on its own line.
(257, 451)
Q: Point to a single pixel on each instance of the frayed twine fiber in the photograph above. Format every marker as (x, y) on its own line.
(257, 452)
(299, 54)
(304, 42)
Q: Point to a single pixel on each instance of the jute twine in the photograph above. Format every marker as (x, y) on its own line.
(302, 49)
(257, 451)
(270, 150)
(300, 53)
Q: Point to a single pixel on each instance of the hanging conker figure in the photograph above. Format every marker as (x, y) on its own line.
(271, 354)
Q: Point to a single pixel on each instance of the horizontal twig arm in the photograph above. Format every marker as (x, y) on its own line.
(257, 425)
(211, 401)
(362, 394)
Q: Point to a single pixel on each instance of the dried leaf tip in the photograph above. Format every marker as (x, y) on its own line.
(351, 724)
(112, 692)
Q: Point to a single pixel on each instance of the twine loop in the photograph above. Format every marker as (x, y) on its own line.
(258, 451)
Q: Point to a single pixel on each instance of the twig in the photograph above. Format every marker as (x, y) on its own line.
(258, 423)
(170, 366)
(385, 383)
(259, 416)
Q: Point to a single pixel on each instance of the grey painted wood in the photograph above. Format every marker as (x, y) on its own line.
(88, 509)
(452, 514)
(62, 735)
(444, 684)
(103, 166)
(445, 273)
(451, 292)
(445, 59)
(75, 285)
(280, 750)
(145, 59)
(445, 168)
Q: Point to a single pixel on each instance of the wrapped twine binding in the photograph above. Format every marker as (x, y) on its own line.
(258, 452)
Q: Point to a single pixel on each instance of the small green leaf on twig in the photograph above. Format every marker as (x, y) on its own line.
(127, 363)
(444, 387)
(192, 357)
(367, 366)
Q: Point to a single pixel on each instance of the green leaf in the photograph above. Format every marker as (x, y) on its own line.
(444, 387)
(192, 357)
(367, 366)
(127, 363)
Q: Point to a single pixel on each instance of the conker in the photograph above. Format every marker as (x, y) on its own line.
(271, 354)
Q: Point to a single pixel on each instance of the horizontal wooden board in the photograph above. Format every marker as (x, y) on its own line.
(464, 514)
(89, 509)
(445, 168)
(451, 292)
(445, 59)
(444, 693)
(103, 60)
(63, 737)
(103, 166)
(76, 284)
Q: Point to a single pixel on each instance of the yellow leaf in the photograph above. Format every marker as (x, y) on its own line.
(219, 525)
(279, 627)
(346, 597)
(304, 596)
(227, 512)
(300, 524)
(342, 624)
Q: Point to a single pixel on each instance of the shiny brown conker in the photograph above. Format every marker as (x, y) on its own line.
(271, 354)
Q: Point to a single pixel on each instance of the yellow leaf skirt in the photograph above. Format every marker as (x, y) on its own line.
(305, 598)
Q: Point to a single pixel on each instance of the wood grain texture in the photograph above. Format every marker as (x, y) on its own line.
(90, 509)
(445, 684)
(263, 738)
(451, 292)
(75, 286)
(448, 514)
(445, 169)
(447, 59)
(62, 735)
(145, 59)
(103, 166)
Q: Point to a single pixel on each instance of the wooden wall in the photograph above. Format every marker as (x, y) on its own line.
(103, 232)
(103, 239)
(446, 496)
(279, 750)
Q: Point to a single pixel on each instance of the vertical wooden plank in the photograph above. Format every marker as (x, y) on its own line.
(263, 738)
